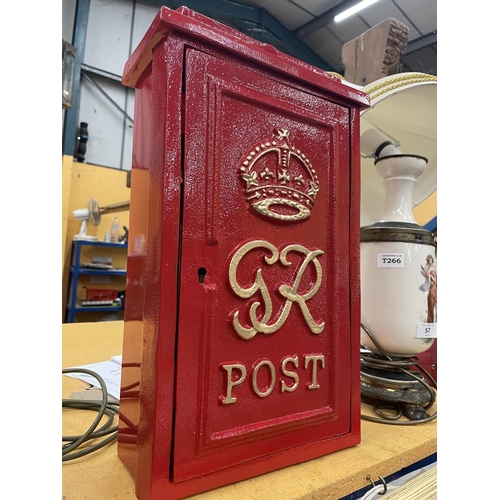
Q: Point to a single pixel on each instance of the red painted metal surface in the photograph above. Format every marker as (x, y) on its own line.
(241, 340)
(428, 360)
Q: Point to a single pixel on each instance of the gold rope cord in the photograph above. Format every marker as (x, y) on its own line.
(336, 74)
(397, 82)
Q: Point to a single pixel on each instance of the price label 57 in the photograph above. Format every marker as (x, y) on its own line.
(427, 331)
(390, 260)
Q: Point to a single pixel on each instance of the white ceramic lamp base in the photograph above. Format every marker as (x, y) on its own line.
(398, 262)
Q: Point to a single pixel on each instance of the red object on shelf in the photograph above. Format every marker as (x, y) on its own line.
(101, 294)
(242, 319)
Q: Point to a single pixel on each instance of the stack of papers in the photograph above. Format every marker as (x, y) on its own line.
(110, 371)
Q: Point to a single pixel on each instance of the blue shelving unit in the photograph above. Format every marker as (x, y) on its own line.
(432, 224)
(73, 305)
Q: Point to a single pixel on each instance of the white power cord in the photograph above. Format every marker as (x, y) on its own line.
(377, 490)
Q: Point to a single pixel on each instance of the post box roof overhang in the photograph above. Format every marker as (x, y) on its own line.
(187, 21)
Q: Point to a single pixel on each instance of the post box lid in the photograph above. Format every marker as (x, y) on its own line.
(203, 28)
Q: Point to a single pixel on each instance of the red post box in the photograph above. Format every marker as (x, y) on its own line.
(242, 322)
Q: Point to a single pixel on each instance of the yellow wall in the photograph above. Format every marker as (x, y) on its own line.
(83, 181)
(80, 183)
(426, 211)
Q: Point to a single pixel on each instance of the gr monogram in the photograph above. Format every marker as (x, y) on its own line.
(289, 292)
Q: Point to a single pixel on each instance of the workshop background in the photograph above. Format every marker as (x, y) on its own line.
(106, 32)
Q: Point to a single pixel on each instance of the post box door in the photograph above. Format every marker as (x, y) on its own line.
(263, 344)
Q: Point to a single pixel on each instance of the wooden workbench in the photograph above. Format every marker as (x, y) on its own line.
(384, 449)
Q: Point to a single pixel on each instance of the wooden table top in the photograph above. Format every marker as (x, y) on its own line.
(384, 449)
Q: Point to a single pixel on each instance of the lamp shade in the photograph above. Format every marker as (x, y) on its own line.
(403, 109)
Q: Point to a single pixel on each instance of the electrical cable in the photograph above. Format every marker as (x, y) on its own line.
(378, 490)
(403, 366)
(103, 408)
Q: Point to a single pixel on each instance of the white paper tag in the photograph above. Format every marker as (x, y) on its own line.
(390, 260)
(427, 331)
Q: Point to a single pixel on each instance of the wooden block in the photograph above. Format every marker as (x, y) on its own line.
(375, 53)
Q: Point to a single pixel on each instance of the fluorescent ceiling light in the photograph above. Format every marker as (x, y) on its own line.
(356, 8)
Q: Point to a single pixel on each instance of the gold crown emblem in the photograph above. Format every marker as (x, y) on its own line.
(279, 179)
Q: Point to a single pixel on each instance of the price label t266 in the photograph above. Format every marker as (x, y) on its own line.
(390, 260)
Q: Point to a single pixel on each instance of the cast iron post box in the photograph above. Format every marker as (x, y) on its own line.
(242, 322)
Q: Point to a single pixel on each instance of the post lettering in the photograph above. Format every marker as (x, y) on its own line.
(288, 373)
(229, 399)
(268, 391)
(314, 384)
(236, 374)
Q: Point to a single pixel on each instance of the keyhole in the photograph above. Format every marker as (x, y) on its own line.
(201, 274)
